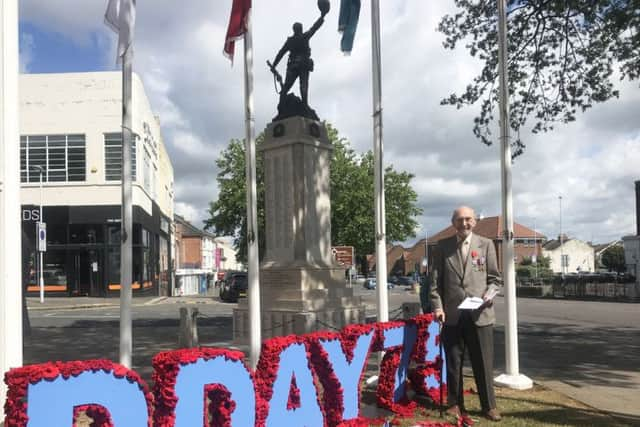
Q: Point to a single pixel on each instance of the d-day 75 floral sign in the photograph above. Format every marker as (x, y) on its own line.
(309, 380)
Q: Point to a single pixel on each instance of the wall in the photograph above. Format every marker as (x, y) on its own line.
(90, 104)
(580, 254)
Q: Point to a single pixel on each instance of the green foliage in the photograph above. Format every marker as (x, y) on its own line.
(531, 272)
(523, 272)
(228, 214)
(561, 58)
(613, 259)
(352, 202)
(526, 261)
(542, 261)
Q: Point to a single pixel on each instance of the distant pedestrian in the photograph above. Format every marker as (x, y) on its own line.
(425, 301)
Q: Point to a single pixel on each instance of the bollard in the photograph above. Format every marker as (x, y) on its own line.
(410, 309)
(188, 334)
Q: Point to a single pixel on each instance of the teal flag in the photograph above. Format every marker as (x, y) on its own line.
(348, 22)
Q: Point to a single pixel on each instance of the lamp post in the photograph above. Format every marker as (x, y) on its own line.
(560, 238)
(426, 253)
(535, 245)
(40, 253)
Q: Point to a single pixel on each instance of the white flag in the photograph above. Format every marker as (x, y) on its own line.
(121, 18)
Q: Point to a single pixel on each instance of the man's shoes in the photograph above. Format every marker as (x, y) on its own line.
(492, 415)
(455, 411)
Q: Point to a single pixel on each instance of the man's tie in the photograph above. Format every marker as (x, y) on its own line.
(464, 252)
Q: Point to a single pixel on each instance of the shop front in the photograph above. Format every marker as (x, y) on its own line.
(83, 251)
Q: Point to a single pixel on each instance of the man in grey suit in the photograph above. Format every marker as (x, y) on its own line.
(465, 265)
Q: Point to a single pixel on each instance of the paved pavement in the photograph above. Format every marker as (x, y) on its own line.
(587, 350)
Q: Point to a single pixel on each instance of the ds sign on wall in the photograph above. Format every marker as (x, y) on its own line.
(311, 380)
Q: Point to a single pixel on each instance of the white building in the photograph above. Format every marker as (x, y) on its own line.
(573, 256)
(70, 127)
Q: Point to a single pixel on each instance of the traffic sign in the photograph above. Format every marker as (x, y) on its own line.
(42, 236)
(344, 255)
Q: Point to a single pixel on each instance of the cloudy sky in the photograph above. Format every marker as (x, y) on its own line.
(198, 95)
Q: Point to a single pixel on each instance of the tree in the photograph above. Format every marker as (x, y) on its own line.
(228, 214)
(352, 204)
(613, 259)
(562, 56)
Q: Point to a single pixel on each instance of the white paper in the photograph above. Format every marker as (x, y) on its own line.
(471, 303)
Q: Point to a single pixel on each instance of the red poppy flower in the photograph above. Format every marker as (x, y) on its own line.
(474, 254)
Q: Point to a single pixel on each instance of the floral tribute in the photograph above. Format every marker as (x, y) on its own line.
(100, 416)
(285, 363)
(166, 369)
(19, 380)
(344, 343)
(313, 380)
(425, 378)
(398, 339)
(220, 406)
(293, 402)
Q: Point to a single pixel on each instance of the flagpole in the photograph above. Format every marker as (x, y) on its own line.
(252, 208)
(512, 377)
(10, 227)
(126, 340)
(381, 245)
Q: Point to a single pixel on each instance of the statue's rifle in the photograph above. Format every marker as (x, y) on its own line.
(277, 78)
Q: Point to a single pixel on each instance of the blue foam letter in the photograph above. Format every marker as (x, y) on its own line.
(51, 403)
(293, 361)
(190, 389)
(406, 337)
(349, 373)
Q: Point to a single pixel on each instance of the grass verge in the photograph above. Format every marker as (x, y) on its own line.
(538, 406)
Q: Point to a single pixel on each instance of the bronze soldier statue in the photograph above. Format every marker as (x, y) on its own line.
(300, 63)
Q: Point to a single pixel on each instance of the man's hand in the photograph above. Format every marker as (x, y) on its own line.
(487, 302)
(488, 297)
(439, 313)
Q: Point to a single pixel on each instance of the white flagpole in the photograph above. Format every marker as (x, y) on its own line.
(126, 340)
(252, 205)
(381, 243)
(10, 227)
(512, 378)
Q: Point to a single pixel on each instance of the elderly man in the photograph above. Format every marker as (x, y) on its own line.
(465, 266)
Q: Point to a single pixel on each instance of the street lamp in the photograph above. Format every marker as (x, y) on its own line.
(560, 237)
(40, 170)
(535, 246)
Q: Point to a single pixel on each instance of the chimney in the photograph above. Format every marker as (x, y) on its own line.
(637, 208)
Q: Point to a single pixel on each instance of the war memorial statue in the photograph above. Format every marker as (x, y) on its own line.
(299, 66)
(303, 287)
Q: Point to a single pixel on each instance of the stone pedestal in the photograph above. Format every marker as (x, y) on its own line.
(302, 288)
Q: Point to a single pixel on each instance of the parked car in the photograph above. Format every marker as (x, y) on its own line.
(234, 286)
(406, 281)
(371, 284)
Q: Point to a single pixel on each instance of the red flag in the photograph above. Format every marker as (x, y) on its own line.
(237, 25)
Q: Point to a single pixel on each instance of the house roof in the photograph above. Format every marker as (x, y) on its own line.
(491, 228)
(189, 230)
(604, 246)
(554, 244)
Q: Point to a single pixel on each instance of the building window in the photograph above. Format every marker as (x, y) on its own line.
(61, 157)
(147, 171)
(113, 157)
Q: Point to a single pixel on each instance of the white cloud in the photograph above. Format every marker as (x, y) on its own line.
(592, 163)
(27, 45)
